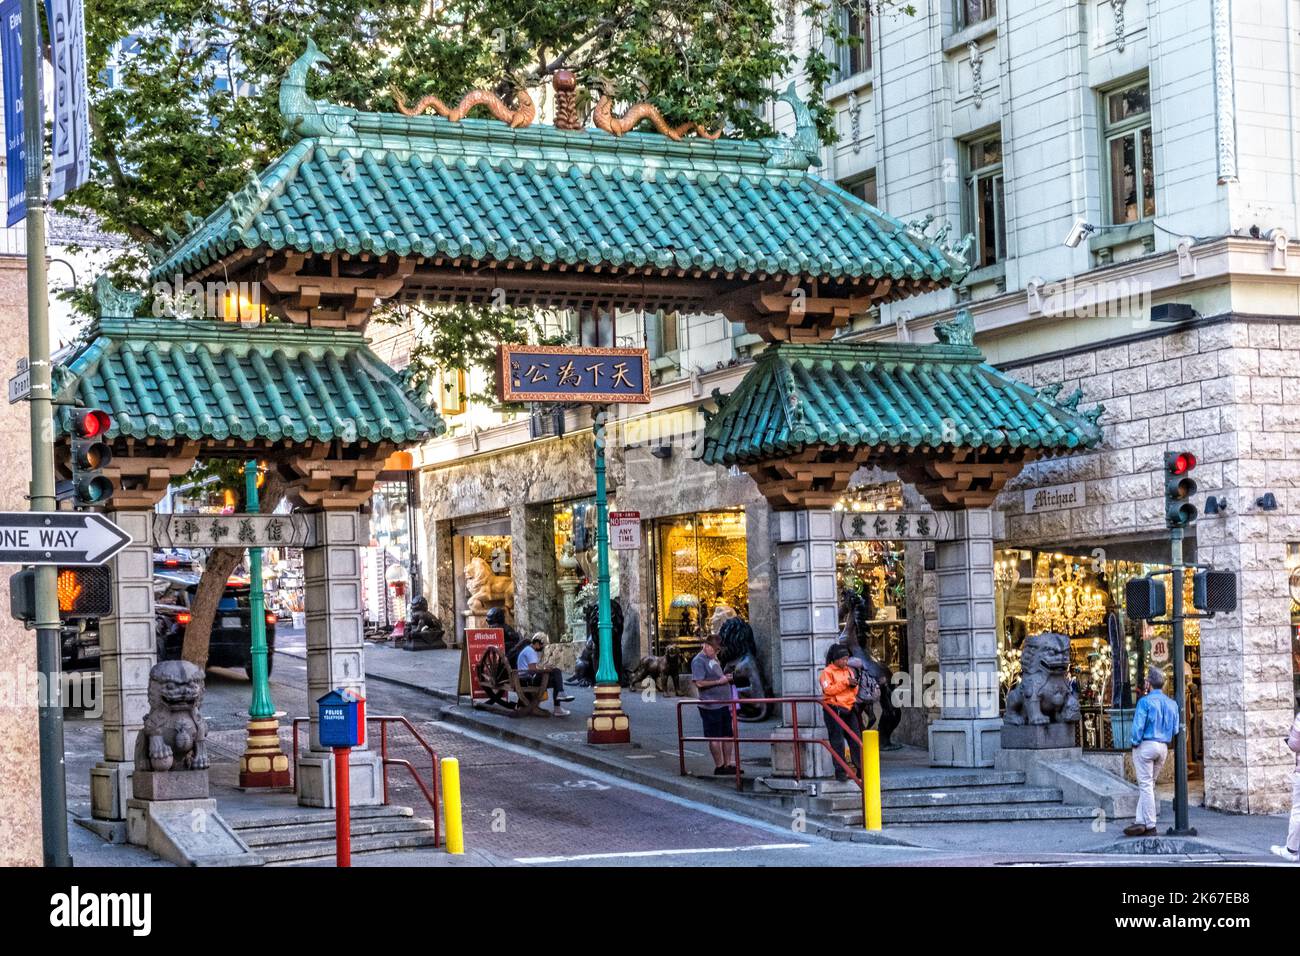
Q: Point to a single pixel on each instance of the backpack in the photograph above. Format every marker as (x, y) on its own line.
(868, 686)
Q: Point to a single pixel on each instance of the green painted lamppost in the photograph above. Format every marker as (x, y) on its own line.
(608, 723)
(263, 764)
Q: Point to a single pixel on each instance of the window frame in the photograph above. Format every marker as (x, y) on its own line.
(960, 22)
(972, 208)
(842, 54)
(1141, 127)
(852, 183)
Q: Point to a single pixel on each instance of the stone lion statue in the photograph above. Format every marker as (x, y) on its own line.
(1043, 695)
(484, 586)
(174, 733)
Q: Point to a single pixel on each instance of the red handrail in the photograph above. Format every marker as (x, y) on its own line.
(431, 795)
(735, 740)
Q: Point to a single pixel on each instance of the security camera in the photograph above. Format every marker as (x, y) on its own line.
(1078, 231)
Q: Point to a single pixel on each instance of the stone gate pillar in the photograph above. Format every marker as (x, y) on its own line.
(127, 652)
(335, 652)
(808, 622)
(968, 731)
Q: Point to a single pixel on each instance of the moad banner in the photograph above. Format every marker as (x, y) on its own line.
(70, 165)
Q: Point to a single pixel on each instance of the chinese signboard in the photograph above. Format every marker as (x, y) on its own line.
(563, 373)
(1055, 498)
(233, 531)
(897, 526)
(625, 530)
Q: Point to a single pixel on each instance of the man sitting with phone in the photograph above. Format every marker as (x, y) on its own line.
(530, 671)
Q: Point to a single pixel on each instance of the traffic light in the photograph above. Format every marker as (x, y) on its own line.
(82, 592)
(90, 455)
(1179, 488)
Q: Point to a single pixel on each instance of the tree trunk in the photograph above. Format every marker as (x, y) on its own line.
(212, 583)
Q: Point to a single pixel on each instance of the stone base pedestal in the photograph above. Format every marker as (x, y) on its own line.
(608, 724)
(264, 765)
(1038, 736)
(1081, 781)
(186, 832)
(110, 788)
(171, 785)
(814, 760)
(965, 742)
(316, 779)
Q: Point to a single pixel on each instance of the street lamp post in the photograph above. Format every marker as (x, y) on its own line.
(263, 764)
(608, 723)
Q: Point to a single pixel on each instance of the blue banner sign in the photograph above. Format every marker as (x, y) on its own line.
(564, 373)
(11, 52)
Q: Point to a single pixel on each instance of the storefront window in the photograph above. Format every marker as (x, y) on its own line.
(1081, 595)
(701, 564)
(573, 528)
(875, 569)
(1293, 583)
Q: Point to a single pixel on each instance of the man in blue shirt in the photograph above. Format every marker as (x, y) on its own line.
(1155, 723)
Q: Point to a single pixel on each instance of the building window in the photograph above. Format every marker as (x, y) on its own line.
(701, 566)
(970, 12)
(985, 210)
(1130, 162)
(853, 52)
(864, 187)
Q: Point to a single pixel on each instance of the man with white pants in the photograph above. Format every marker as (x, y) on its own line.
(1155, 724)
(1291, 850)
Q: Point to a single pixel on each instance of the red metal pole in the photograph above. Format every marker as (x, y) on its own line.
(342, 808)
(798, 760)
(735, 738)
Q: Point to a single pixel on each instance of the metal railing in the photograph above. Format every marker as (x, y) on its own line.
(735, 740)
(429, 790)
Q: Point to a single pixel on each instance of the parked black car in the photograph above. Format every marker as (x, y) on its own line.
(80, 644)
(231, 641)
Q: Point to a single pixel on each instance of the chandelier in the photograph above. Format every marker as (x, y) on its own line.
(1068, 604)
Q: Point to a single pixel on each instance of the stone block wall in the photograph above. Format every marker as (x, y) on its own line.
(1227, 391)
(20, 786)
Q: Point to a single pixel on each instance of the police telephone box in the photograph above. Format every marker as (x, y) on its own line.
(342, 716)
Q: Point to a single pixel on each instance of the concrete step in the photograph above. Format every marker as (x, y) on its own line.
(292, 816)
(324, 849)
(955, 797)
(324, 830)
(948, 779)
(974, 814)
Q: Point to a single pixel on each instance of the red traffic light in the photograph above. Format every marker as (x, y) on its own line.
(91, 423)
(1182, 463)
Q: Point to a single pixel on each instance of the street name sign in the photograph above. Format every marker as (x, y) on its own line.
(20, 386)
(567, 373)
(59, 537)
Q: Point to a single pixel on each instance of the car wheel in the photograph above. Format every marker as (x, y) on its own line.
(270, 666)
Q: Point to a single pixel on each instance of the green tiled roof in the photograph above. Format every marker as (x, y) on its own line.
(896, 396)
(480, 190)
(169, 379)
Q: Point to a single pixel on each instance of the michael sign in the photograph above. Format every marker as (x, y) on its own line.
(1055, 498)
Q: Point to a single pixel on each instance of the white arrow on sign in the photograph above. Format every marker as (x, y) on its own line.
(60, 537)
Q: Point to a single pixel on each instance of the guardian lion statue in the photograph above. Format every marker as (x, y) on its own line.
(739, 657)
(174, 733)
(485, 586)
(1043, 695)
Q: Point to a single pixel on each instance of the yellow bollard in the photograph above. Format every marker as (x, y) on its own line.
(871, 780)
(451, 804)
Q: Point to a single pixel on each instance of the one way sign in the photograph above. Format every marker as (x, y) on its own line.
(60, 537)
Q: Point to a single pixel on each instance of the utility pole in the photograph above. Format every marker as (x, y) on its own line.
(54, 798)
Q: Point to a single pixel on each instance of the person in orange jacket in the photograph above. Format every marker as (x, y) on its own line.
(839, 682)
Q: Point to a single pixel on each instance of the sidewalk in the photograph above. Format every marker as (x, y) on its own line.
(651, 760)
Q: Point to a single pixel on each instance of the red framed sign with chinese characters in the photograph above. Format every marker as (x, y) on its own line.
(568, 373)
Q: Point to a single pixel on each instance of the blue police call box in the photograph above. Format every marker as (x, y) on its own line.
(342, 719)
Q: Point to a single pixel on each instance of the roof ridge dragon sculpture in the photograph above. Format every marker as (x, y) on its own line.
(522, 115)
